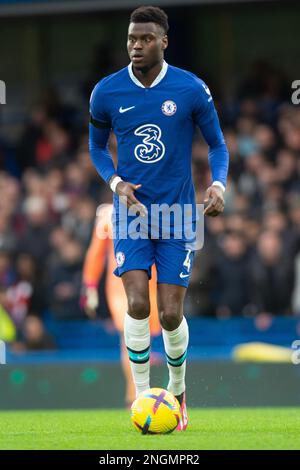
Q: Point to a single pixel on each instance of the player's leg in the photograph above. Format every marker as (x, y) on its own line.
(173, 261)
(118, 305)
(117, 302)
(134, 260)
(175, 332)
(137, 328)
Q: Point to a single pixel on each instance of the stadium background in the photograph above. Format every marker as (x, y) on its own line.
(245, 286)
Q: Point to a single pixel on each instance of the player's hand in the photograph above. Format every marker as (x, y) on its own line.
(126, 192)
(89, 300)
(214, 199)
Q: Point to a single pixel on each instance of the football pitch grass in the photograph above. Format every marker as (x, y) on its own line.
(235, 428)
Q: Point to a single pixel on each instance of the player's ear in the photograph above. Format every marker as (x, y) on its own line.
(164, 42)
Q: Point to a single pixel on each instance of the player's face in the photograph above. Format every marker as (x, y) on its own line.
(146, 44)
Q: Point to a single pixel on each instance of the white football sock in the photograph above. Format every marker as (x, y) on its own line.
(137, 340)
(176, 343)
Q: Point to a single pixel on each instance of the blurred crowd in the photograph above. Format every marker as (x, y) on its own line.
(250, 264)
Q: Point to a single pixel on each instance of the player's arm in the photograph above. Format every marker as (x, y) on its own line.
(99, 130)
(218, 156)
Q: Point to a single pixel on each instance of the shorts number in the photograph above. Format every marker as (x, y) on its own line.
(187, 261)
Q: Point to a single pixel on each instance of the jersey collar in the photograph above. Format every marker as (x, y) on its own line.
(158, 79)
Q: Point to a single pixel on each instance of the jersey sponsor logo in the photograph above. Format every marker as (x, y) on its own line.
(124, 110)
(207, 91)
(120, 258)
(169, 108)
(152, 149)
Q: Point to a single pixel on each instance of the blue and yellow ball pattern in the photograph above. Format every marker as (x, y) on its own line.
(155, 411)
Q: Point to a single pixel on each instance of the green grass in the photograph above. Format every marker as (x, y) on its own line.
(240, 428)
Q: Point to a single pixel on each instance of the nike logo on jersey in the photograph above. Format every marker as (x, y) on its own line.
(182, 275)
(124, 110)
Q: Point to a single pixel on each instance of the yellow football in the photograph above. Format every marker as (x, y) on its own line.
(155, 411)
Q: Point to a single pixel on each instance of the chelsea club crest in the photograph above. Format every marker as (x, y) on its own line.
(120, 258)
(169, 108)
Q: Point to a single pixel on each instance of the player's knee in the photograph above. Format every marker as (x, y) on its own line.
(170, 318)
(138, 307)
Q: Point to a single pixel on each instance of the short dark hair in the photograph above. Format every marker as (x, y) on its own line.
(150, 14)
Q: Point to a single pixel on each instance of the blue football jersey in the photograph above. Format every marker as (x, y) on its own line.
(154, 128)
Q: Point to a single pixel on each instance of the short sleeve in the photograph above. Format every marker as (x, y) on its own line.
(99, 113)
(204, 109)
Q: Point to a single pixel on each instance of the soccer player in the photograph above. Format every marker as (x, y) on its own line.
(153, 109)
(100, 251)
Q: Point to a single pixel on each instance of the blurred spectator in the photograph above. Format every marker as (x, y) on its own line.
(19, 296)
(7, 271)
(58, 238)
(65, 114)
(79, 221)
(26, 150)
(57, 199)
(50, 134)
(76, 182)
(35, 239)
(286, 168)
(198, 301)
(294, 216)
(271, 276)
(95, 185)
(27, 271)
(251, 231)
(276, 221)
(8, 240)
(24, 295)
(53, 146)
(246, 141)
(230, 286)
(64, 282)
(33, 337)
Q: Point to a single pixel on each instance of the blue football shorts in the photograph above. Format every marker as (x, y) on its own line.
(172, 257)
